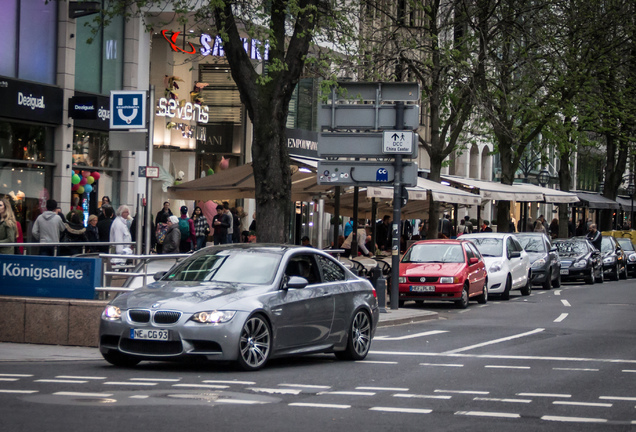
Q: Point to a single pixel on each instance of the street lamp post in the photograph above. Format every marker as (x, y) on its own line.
(630, 190)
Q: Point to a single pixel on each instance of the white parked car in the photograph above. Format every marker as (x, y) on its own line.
(507, 263)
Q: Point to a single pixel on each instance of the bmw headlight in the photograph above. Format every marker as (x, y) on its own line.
(111, 313)
(632, 257)
(213, 317)
(495, 267)
(448, 280)
(580, 263)
(538, 263)
(402, 279)
(609, 260)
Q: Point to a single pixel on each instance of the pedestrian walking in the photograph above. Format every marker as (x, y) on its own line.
(173, 236)
(186, 227)
(100, 211)
(201, 228)
(92, 233)
(220, 223)
(75, 232)
(103, 227)
(48, 228)
(119, 232)
(8, 227)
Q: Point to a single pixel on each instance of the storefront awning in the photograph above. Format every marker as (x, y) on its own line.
(554, 196)
(496, 191)
(440, 193)
(594, 200)
(626, 203)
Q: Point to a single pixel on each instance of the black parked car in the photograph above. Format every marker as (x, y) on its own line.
(630, 254)
(613, 259)
(544, 259)
(579, 260)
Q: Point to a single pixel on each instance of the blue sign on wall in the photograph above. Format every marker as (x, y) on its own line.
(128, 109)
(41, 276)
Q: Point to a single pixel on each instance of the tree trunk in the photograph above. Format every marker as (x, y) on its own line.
(565, 179)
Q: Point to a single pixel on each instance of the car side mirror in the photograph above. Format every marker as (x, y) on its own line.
(296, 282)
(159, 275)
(515, 254)
(473, 260)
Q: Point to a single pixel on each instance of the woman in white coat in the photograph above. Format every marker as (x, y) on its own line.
(119, 232)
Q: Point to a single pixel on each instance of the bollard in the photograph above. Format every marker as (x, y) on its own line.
(379, 282)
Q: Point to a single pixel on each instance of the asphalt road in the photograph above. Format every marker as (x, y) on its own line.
(559, 360)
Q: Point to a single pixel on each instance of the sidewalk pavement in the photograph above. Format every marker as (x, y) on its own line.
(15, 352)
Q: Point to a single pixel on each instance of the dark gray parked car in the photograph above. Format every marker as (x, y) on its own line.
(245, 303)
(544, 259)
(630, 255)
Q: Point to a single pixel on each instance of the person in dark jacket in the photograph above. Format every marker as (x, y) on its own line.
(75, 232)
(595, 237)
(92, 234)
(103, 227)
(173, 236)
(163, 214)
(220, 223)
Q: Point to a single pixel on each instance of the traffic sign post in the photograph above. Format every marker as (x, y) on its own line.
(128, 109)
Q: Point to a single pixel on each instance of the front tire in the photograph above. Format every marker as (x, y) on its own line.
(615, 274)
(483, 298)
(358, 338)
(527, 289)
(506, 294)
(255, 343)
(557, 282)
(462, 303)
(119, 359)
(547, 285)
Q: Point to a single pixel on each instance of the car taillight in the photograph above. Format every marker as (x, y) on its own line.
(375, 294)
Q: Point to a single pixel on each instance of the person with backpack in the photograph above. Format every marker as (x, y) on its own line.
(172, 238)
(186, 228)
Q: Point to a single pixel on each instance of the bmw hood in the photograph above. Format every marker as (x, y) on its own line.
(187, 296)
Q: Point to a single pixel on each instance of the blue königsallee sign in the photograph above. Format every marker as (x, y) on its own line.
(42, 276)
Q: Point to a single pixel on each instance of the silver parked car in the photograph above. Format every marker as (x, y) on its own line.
(544, 259)
(246, 303)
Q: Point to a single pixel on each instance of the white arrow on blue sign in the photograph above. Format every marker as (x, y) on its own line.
(128, 109)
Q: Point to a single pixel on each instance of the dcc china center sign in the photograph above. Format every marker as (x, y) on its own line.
(40, 276)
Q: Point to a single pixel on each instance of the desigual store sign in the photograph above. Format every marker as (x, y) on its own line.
(29, 101)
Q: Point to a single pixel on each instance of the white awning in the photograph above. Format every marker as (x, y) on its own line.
(551, 195)
(496, 191)
(440, 193)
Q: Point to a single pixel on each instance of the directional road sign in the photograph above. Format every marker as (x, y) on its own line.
(397, 142)
(364, 173)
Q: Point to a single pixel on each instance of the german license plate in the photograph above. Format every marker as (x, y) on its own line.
(422, 288)
(149, 334)
(565, 271)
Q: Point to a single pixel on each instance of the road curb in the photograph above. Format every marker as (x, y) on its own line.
(407, 319)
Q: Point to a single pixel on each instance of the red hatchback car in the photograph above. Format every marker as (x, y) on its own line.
(443, 270)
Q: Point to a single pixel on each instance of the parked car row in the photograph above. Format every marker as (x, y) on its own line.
(475, 266)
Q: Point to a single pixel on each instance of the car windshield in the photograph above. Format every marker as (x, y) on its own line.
(243, 266)
(488, 247)
(606, 245)
(532, 244)
(434, 253)
(571, 247)
(626, 244)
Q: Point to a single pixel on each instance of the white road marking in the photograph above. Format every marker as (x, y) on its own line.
(9, 379)
(540, 292)
(557, 292)
(442, 364)
(479, 345)
(482, 306)
(566, 303)
(620, 398)
(402, 410)
(462, 392)
(464, 311)
(83, 394)
(415, 335)
(502, 357)
(589, 404)
(561, 317)
(18, 391)
(315, 405)
(305, 386)
(377, 362)
(382, 388)
(80, 377)
(129, 383)
(347, 393)
(552, 395)
(628, 370)
(239, 401)
(506, 367)
(275, 391)
(575, 369)
(574, 419)
(230, 382)
(502, 400)
(62, 381)
(157, 379)
(208, 386)
(16, 375)
(139, 397)
(419, 396)
(487, 414)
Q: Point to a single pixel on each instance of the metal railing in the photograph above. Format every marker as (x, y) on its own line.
(58, 245)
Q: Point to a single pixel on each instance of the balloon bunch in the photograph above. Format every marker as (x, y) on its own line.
(83, 181)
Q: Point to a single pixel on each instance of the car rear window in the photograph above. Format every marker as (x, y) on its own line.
(434, 253)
